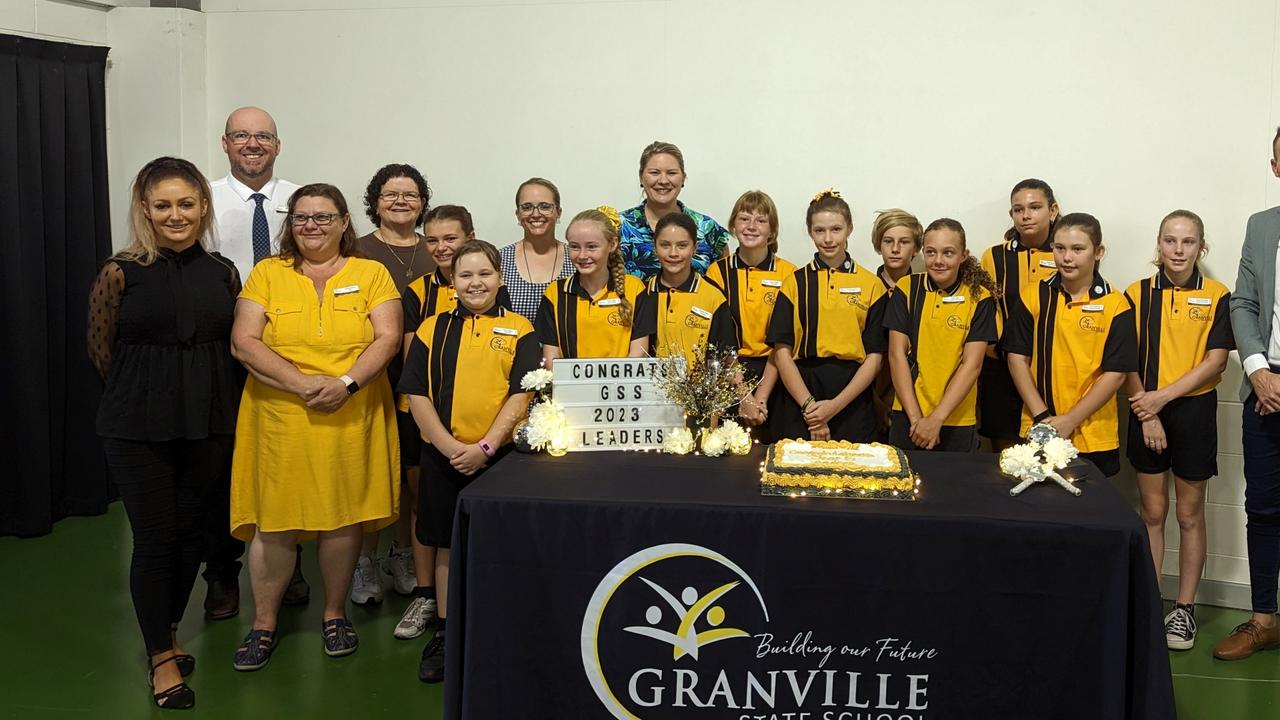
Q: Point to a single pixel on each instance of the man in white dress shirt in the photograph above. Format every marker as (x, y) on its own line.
(252, 144)
(250, 207)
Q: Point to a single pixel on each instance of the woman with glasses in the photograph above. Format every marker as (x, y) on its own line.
(662, 178)
(395, 201)
(538, 259)
(316, 453)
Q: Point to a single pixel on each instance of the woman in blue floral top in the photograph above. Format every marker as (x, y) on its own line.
(662, 177)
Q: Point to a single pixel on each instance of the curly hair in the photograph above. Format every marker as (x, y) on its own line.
(972, 275)
(390, 172)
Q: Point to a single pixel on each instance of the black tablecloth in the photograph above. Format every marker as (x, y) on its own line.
(567, 572)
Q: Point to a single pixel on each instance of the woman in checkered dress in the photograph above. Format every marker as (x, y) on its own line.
(539, 258)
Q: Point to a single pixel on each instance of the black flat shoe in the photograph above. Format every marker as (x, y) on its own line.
(186, 663)
(178, 697)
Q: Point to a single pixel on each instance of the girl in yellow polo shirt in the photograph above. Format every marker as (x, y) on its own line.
(1184, 337)
(752, 278)
(679, 309)
(462, 376)
(827, 333)
(940, 322)
(589, 314)
(1070, 343)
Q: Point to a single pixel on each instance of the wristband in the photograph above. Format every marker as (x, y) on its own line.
(807, 403)
(352, 385)
(486, 447)
(1046, 413)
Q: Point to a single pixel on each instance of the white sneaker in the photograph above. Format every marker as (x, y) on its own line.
(399, 565)
(417, 618)
(366, 586)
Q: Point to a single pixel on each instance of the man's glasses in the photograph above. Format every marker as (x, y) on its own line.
(241, 137)
(528, 208)
(321, 219)
(392, 196)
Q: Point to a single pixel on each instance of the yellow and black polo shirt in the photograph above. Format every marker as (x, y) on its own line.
(1071, 343)
(890, 287)
(468, 365)
(752, 291)
(1177, 326)
(674, 319)
(1014, 265)
(830, 312)
(583, 326)
(939, 322)
(432, 294)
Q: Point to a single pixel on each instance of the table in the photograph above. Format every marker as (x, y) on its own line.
(641, 585)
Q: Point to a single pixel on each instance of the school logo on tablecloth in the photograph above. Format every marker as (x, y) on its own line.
(680, 630)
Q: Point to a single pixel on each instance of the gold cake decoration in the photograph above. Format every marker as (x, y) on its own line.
(836, 468)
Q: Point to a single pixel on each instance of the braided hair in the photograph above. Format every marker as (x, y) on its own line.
(610, 226)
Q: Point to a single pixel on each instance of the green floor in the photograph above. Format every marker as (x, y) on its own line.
(73, 649)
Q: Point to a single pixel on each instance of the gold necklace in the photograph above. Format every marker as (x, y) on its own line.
(408, 269)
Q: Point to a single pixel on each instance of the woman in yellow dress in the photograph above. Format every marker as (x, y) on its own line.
(316, 452)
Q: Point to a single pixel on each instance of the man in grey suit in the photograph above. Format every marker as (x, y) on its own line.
(1255, 321)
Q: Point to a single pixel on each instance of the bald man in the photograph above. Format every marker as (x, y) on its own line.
(252, 144)
(250, 207)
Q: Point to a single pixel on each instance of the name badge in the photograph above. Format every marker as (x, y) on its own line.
(1048, 264)
(610, 302)
(506, 331)
(771, 283)
(1199, 301)
(700, 312)
(1093, 308)
(346, 290)
(282, 209)
(953, 299)
(851, 291)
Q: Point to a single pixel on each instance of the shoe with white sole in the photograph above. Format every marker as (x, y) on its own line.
(417, 618)
(399, 565)
(366, 585)
(1180, 628)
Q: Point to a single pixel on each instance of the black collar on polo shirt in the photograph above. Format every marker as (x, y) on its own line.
(847, 266)
(928, 284)
(1017, 245)
(1195, 282)
(573, 286)
(463, 311)
(880, 274)
(440, 279)
(766, 264)
(689, 285)
(1097, 288)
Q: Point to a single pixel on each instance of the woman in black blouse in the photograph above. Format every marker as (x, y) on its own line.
(159, 329)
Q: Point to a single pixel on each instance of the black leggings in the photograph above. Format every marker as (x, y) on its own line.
(165, 488)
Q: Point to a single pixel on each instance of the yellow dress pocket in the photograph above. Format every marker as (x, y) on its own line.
(351, 319)
(285, 325)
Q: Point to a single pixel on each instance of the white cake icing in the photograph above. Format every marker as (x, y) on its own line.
(864, 456)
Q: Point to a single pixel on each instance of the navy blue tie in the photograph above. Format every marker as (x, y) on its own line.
(261, 232)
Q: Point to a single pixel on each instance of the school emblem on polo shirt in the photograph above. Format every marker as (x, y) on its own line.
(956, 323)
(615, 319)
(1087, 322)
(770, 297)
(504, 344)
(695, 322)
(1198, 314)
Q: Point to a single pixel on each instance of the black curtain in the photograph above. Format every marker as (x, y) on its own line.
(54, 234)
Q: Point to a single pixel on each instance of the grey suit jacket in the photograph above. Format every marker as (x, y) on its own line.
(1253, 299)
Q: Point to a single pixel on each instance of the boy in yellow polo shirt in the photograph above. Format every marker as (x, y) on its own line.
(1070, 344)
(940, 323)
(462, 376)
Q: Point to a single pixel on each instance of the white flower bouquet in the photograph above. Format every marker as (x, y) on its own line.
(1039, 459)
(729, 438)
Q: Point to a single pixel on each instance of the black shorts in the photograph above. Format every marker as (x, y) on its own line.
(1191, 428)
(951, 438)
(410, 439)
(999, 404)
(438, 490)
(825, 378)
(1108, 461)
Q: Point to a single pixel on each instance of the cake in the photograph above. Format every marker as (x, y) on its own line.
(827, 468)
